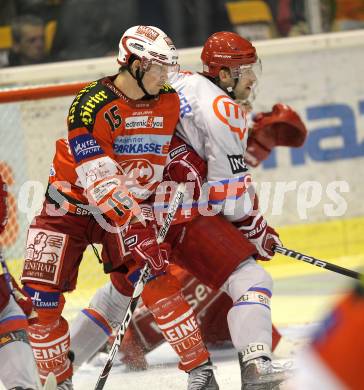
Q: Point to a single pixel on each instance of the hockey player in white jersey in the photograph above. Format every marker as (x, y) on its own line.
(212, 124)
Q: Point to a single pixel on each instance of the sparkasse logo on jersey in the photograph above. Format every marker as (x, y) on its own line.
(144, 122)
(142, 144)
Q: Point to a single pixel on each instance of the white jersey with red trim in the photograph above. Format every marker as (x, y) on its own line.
(215, 126)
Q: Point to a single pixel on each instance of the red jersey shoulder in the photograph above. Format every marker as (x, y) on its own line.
(169, 99)
(87, 103)
(167, 88)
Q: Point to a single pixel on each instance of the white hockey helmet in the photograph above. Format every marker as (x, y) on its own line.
(149, 44)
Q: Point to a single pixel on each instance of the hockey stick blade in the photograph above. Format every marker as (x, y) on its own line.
(318, 262)
(50, 383)
(138, 289)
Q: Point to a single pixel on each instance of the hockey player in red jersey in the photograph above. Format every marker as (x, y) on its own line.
(119, 131)
(17, 369)
(200, 245)
(321, 366)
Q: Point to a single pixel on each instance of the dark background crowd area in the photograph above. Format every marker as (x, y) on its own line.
(38, 31)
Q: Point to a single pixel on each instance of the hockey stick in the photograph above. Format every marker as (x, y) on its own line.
(176, 201)
(318, 262)
(50, 383)
(6, 273)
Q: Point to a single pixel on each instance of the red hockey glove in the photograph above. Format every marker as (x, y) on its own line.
(3, 205)
(113, 199)
(142, 243)
(185, 165)
(260, 234)
(280, 127)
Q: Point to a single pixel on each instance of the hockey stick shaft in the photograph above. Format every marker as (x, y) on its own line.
(4, 193)
(6, 273)
(317, 262)
(176, 201)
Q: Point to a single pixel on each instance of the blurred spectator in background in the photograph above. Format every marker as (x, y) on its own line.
(291, 16)
(191, 22)
(28, 41)
(349, 15)
(90, 28)
(78, 29)
(252, 19)
(7, 11)
(266, 19)
(45, 9)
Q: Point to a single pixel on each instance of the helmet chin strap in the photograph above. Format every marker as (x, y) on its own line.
(230, 90)
(139, 77)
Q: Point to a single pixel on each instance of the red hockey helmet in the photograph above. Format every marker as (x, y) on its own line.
(226, 49)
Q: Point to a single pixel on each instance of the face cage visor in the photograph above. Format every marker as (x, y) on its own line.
(253, 71)
(159, 69)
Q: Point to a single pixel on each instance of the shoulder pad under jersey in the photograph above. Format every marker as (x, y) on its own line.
(87, 103)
